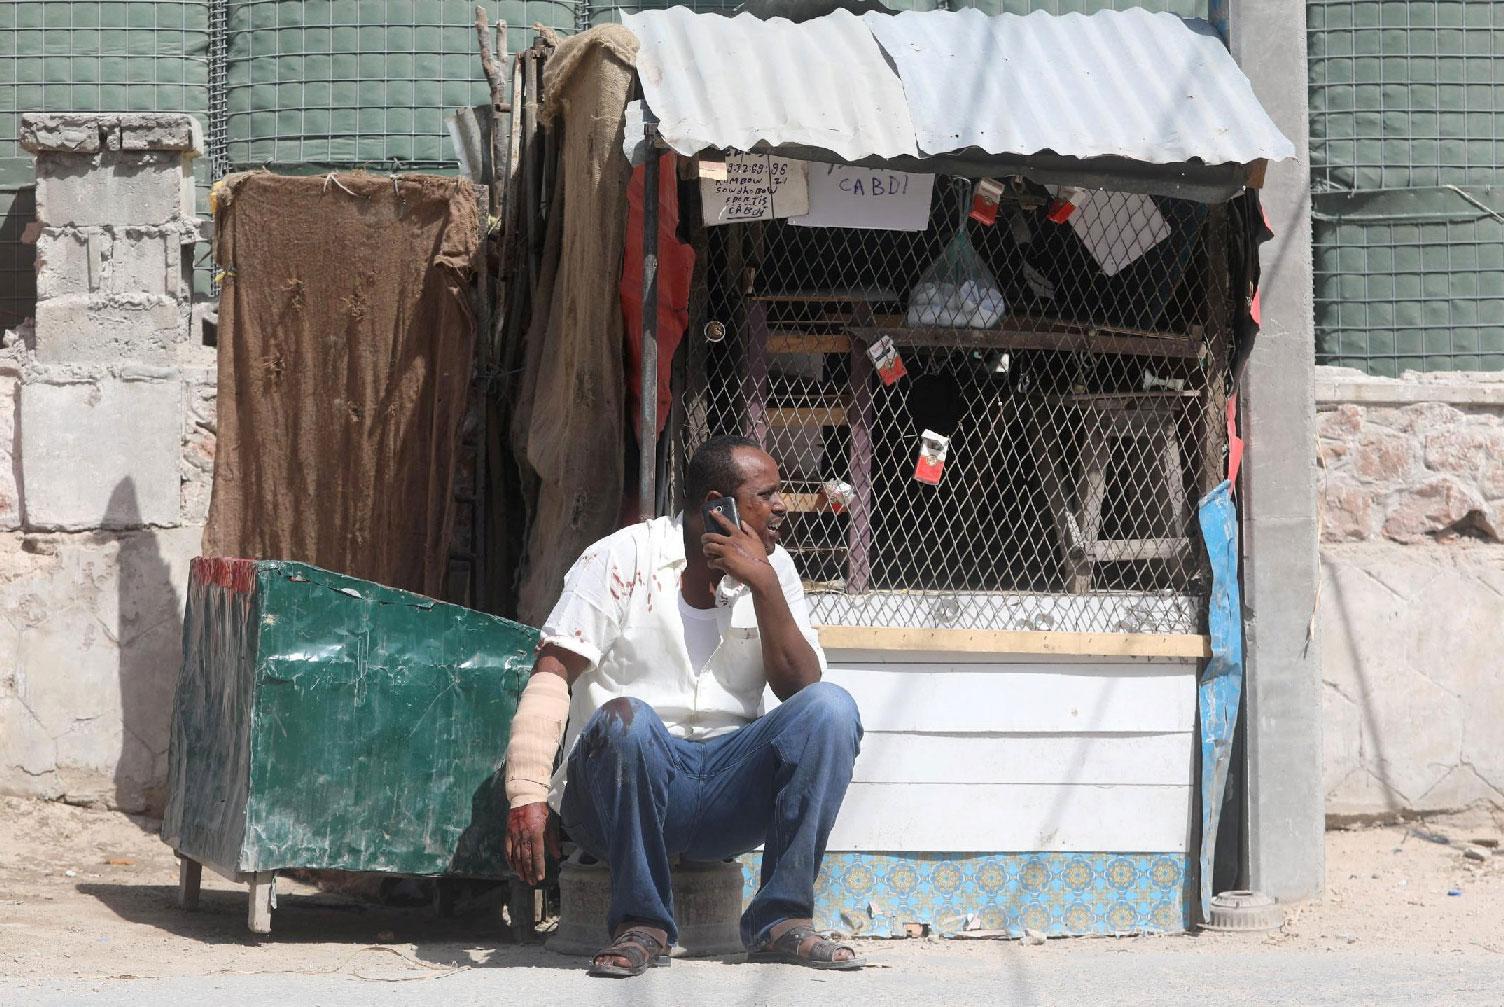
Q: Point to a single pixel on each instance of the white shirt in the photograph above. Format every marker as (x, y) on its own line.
(702, 633)
(620, 611)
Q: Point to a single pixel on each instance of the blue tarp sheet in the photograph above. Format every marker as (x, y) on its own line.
(1221, 687)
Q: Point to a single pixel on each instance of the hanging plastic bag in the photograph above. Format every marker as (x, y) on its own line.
(957, 290)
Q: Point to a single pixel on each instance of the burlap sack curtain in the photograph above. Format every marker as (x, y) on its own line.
(568, 431)
(345, 358)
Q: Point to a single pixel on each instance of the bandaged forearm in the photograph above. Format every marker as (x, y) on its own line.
(537, 730)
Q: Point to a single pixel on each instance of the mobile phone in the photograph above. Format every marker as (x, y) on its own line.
(720, 505)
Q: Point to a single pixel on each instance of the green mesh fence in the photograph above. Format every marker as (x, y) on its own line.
(369, 83)
(1406, 112)
(82, 56)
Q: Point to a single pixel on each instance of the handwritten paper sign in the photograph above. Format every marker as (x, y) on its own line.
(756, 187)
(843, 196)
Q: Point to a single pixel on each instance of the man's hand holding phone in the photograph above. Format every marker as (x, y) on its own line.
(733, 550)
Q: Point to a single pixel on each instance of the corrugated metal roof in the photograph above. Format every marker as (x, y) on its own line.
(1153, 88)
(733, 83)
(1148, 86)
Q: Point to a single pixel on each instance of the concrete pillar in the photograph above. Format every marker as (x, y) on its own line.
(106, 450)
(101, 400)
(1285, 820)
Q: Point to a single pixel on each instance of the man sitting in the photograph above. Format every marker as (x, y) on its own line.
(668, 632)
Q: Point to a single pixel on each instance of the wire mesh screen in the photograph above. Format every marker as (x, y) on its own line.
(989, 426)
(1405, 94)
(1409, 280)
(1406, 112)
(359, 82)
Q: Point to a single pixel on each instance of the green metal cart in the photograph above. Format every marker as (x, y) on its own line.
(326, 722)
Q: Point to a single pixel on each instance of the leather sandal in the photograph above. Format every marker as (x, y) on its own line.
(637, 945)
(801, 945)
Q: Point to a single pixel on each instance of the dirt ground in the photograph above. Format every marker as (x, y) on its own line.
(91, 894)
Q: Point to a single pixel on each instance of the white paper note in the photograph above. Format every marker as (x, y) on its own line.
(843, 196)
(1118, 228)
(756, 187)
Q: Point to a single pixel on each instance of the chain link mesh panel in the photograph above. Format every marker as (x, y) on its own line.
(1071, 366)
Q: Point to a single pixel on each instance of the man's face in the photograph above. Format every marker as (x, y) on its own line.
(759, 501)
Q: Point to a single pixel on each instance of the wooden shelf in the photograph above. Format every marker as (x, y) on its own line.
(808, 342)
(875, 296)
(1044, 334)
(1130, 550)
(803, 503)
(833, 415)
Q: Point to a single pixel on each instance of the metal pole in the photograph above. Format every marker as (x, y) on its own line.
(647, 430)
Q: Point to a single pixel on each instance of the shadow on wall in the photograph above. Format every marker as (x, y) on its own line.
(18, 282)
(149, 635)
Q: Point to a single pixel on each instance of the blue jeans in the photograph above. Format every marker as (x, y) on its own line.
(637, 797)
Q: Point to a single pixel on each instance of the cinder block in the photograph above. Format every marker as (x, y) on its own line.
(157, 131)
(81, 329)
(101, 454)
(64, 132)
(69, 262)
(112, 188)
(145, 261)
(110, 261)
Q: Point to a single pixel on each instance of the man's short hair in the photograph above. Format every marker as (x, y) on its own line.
(713, 467)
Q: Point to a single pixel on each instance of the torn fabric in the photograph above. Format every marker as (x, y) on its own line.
(345, 358)
(568, 429)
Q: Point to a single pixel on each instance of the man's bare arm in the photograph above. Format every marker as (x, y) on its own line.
(787, 658)
(530, 833)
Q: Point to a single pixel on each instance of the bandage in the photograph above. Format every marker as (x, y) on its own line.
(537, 730)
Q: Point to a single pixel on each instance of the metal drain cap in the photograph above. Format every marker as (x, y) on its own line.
(1248, 912)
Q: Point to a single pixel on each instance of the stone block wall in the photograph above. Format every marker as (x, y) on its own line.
(106, 461)
(1412, 595)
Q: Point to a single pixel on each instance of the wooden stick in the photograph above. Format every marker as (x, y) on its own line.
(488, 60)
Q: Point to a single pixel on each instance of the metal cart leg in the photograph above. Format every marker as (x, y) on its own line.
(446, 893)
(190, 878)
(521, 909)
(263, 900)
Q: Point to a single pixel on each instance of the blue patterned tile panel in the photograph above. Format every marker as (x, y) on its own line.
(1059, 894)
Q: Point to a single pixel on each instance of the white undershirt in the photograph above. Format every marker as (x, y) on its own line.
(701, 634)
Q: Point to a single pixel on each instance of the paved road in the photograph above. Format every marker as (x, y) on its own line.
(988, 976)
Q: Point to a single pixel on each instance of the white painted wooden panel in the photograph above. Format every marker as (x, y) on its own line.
(1008, 817)
(878, 658)
(1006, 698)
(1160, 759)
